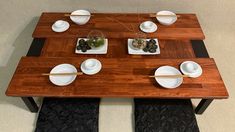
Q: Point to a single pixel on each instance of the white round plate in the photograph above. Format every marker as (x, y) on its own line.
(194, 74)
(63, 80)
(153, 29)
(93, 71)
(168, 82)
(62, 29)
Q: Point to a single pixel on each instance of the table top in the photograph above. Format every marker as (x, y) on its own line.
(122, 75)
(117, 48)
(119, 77)
(116, 25)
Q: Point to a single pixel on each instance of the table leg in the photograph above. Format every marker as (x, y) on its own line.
(201, 107)
(199, 49)
(34, 50)
(30, 103)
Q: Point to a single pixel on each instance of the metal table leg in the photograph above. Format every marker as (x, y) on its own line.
(30, 103)
(34, 50)
(201, 107)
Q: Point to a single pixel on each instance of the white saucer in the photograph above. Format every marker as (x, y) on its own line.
(62, 29)
(168, 82)
(93, 71)
(194, 74)
(151, 30)
(63, 80)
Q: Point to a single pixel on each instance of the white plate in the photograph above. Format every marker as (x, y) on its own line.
(100, 50)
(168, 82)
(195, 74)
(151, 30)
(132, 50)
(63, 80)
(62, 29)
(93, 71)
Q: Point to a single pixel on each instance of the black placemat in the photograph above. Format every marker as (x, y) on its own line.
(162, 115)
(68, 115)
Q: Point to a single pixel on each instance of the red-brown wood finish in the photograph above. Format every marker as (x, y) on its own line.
(117, 48)
(116, 25)
(119, 77)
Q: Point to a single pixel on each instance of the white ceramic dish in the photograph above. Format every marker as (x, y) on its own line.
(133, 51)
(168, 82)
(194, 72)
(60, 26)
(91, 66)
(80, 20)
(166, 20)
(148, 27)
(101, 50)
(63, 80)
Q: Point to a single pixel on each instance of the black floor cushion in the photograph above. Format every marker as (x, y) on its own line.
(158, 115)
(68, 115)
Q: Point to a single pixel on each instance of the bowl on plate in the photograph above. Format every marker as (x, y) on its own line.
(80, 20)
(60, 26)
(168, 82)
(148, 27)
(91, 66)
(165, 20)
(147, 24)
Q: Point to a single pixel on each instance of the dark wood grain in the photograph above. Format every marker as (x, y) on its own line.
(111, 24)
(119, 77)
(117, 48)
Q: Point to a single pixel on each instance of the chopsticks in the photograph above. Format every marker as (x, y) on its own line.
(170, 76)
(76, 15)
(155, 15)
(151, 15)
(61, 74)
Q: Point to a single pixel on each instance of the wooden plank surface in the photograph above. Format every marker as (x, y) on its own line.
(117, 48)
(119, 77)
(116, 25)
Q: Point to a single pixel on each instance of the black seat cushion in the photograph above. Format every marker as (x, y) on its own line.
(158, 115)
(68, 115)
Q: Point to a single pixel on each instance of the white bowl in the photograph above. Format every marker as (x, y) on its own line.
(166, 20)
(191, 68)
(168, 82)
(59, 24)
(148, 27)
(63, 80)
(91, 66)
(80, 20)
(147, 24)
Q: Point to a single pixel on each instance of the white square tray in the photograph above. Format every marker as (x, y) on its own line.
(131, 50)
(100, 50)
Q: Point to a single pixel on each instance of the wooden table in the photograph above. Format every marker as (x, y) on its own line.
(123, 75)
(115, 25)
(119, 77)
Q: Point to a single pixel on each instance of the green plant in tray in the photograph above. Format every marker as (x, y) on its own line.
(95, 42)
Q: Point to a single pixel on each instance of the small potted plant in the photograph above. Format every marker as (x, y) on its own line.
(96, 39)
